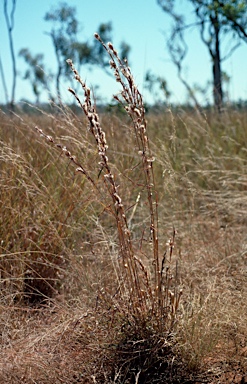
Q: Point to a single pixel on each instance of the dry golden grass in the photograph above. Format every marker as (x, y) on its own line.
(78, 304)
(54, 342)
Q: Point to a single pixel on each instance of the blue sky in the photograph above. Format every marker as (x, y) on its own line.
(140, 23)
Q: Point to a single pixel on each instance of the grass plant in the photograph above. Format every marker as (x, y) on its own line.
(105, 220)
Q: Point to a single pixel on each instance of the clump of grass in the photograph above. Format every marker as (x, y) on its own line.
(147, 295)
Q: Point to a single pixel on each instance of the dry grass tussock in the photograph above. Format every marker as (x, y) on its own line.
(123, 243)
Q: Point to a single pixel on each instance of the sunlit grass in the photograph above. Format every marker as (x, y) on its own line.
(66, 311)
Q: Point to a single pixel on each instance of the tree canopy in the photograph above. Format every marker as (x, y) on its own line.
(215, 20)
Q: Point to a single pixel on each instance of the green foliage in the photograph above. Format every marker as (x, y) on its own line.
(35, 72)
(64, 19)
(230, 14)
(156, 85)
(64, 36)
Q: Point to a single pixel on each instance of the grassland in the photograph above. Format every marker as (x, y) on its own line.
(59, 246)
(78, 300)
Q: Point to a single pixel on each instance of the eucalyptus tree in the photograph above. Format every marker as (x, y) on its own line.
(64, 35)
(216, 20)
(35, 72)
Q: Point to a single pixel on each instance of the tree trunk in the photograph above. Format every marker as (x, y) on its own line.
(59, 71)
(217, 77)
(10, 26)
(4, 82)
(59, 65)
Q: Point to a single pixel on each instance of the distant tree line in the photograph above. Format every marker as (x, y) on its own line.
(214, 19)
(64, 28)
